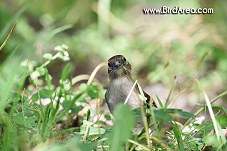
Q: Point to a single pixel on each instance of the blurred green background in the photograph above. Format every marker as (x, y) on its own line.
(165, 50)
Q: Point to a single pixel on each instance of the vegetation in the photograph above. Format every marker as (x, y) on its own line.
(51, 100)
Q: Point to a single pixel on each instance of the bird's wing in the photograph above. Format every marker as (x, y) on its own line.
(148, 98)
(108, 101)
(148, 101)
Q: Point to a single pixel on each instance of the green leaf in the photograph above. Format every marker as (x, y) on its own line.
(75, 109)
(66, 72)
(82, 86)
(107, 117)
(48, 56)
(41, 70)
(123, 124)
(96, 131)
(211, 141)
(42, 94)
(48, 79)
(159, 102)
(72, 103)
(93, 91)
(219, 108)
(91, 129)
(88, 114)
(162, 115)
(21, 119)
(205, 128)
(222, 120)
(186, 114)
(194, 145)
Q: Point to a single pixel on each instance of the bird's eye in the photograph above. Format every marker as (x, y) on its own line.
(109, 64)
(124, 60)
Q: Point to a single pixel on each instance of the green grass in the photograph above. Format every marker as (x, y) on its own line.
(28, 123)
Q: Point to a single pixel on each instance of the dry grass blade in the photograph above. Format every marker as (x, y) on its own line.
(212, 101)
(126, 100)
(8, 36)
(171, 103)
(202, 108)
(162, 144)
(217, 129)
(79, 78)
(143, 116)
(95, 71)
(136, 143)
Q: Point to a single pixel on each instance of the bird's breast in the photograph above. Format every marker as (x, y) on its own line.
(119, 89)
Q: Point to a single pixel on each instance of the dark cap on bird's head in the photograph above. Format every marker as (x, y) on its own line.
(118, 66)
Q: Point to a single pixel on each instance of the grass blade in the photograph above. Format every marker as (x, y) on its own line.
(177, 134)
(121, 130)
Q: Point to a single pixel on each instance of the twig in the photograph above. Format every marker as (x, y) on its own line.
(8, 36)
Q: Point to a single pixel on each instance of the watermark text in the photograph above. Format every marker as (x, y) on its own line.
(177, 10)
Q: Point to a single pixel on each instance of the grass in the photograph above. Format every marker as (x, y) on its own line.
(29, 123)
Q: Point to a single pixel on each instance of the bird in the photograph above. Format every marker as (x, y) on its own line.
(121, 83)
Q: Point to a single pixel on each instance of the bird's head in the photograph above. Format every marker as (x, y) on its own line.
(118, 66)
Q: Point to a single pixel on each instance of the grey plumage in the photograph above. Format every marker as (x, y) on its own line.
(121, 83)
(119, 90)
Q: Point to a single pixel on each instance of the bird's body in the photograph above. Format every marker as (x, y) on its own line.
(121, 84)
(118, 91)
